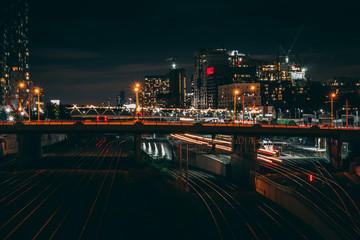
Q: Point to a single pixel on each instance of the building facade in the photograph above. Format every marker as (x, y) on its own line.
(14, 50)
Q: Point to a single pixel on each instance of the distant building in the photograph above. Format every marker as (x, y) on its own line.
(14, 51)
(344, 84)
(120, 99)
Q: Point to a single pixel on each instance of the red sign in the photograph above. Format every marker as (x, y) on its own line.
(210, 71)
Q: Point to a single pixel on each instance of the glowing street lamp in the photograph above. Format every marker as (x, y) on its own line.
(332, 108)
(21, 85)
(236, 92)
(253, 88)
(37, 91)
(137, 109)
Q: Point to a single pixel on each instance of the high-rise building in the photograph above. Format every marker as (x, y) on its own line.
(208, 74)
(156, 91)
(14, 51)
(177, 84)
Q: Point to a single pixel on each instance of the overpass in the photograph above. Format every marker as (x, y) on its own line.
(253, 130)
(245, 141)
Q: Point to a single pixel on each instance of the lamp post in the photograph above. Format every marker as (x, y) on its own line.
(21, 85)
(137, 89)
(236, 92)
(332, 108)
(29, 104)
(37, 91)
(243, 107)
(253, 89)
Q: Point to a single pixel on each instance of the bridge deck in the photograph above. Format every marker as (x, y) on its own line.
(352, 133)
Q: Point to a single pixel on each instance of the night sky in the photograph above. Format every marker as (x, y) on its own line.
(84, 52)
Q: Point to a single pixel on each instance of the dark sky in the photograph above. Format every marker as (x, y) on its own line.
(86, 51)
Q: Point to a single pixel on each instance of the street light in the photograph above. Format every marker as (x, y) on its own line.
(21, 85)
(29, 101)
(252, 88)
(37, 91)
(137, 110)
(332, 108)
(236, 92)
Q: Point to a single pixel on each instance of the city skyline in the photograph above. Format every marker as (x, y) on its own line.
(85, 54)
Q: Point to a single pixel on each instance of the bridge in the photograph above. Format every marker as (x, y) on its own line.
(255, 130)
(245, 140)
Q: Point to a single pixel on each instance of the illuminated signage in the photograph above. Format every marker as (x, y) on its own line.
(210, 71)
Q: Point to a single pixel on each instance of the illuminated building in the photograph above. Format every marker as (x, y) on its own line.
(217, 67)
(14, 51)
(283, 83)
(156, 91)
(208, 75)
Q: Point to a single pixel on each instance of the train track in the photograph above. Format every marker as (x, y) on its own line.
(42, 203)
(238, 215)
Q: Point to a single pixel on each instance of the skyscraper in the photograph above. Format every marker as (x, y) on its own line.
(14, 51)
(177, 82)
(208, 73)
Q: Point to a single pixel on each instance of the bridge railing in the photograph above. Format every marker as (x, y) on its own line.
(158, 123)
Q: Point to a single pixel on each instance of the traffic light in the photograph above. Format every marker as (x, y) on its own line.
(97, 118)
(105, 118)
